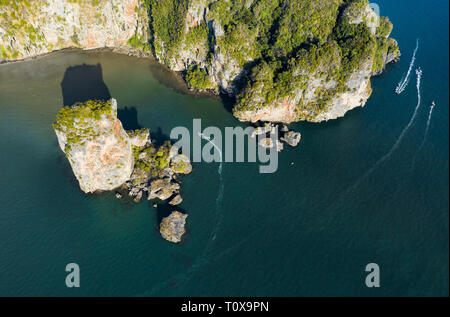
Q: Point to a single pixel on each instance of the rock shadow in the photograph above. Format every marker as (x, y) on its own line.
(169, 78)
(163, 210)
(228, 101)
(128, 117)
(83, 82)
(158, 137)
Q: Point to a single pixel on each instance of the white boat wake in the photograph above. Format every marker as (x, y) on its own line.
(219, 198)
(410, 123)
(427, 129)
(405, 80)
(184, 277)
(204, 258)
(393, 148)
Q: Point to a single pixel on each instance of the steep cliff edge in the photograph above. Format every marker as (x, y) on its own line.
(96, 145)
(283, 60)
(104, 156)
(29, 28)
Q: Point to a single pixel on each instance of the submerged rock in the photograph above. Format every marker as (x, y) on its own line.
(172, 226)
(95, 143)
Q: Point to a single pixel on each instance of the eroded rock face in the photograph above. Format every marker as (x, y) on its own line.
(96, 145)
(317, 84)
(30, 28)
(319, 95)
(172, 226)
(176, 200)
(285, 61)
(163, 189)
(139, 138)
(156, 169)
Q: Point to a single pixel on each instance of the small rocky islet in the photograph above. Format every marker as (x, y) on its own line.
(105, 157)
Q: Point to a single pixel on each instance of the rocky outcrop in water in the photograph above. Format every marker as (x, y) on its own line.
(172, 226)
(156, 170)
(292, 138)
(272, 135)
(95, 143)
(176, 200)
(104, 156)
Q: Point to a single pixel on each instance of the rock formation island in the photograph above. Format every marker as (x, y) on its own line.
(105, 157)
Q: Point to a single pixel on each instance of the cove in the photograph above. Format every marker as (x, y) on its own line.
(299, 231)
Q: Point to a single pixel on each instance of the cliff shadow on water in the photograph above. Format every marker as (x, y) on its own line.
(128, 117)
(228, 102)
(163, 210)
(158, 137)
(84, 82)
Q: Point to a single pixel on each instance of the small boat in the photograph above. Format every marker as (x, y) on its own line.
(433, 104)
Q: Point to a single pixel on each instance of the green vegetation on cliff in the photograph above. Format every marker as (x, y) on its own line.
(346, 48)
(272, 50)
(198, 78)
(151, 159)
(76, 121)
(298, 54)
(167, 23)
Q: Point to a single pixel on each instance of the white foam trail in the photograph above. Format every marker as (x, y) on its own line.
(424, 136)
(397, 142)
(410, 123)
(427, 128)
(203, 259)
(219, 198)
(405, 80)
(356, 184)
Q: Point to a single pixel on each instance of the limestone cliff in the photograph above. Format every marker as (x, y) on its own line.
(98, 148)
(283, 60)
(33, 27)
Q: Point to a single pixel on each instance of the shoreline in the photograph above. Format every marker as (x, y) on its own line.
(118, 50)
(126, 51)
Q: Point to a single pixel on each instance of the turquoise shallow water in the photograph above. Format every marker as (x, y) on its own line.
(309, 229)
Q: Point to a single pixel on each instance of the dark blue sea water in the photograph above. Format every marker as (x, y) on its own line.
(355, 194)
